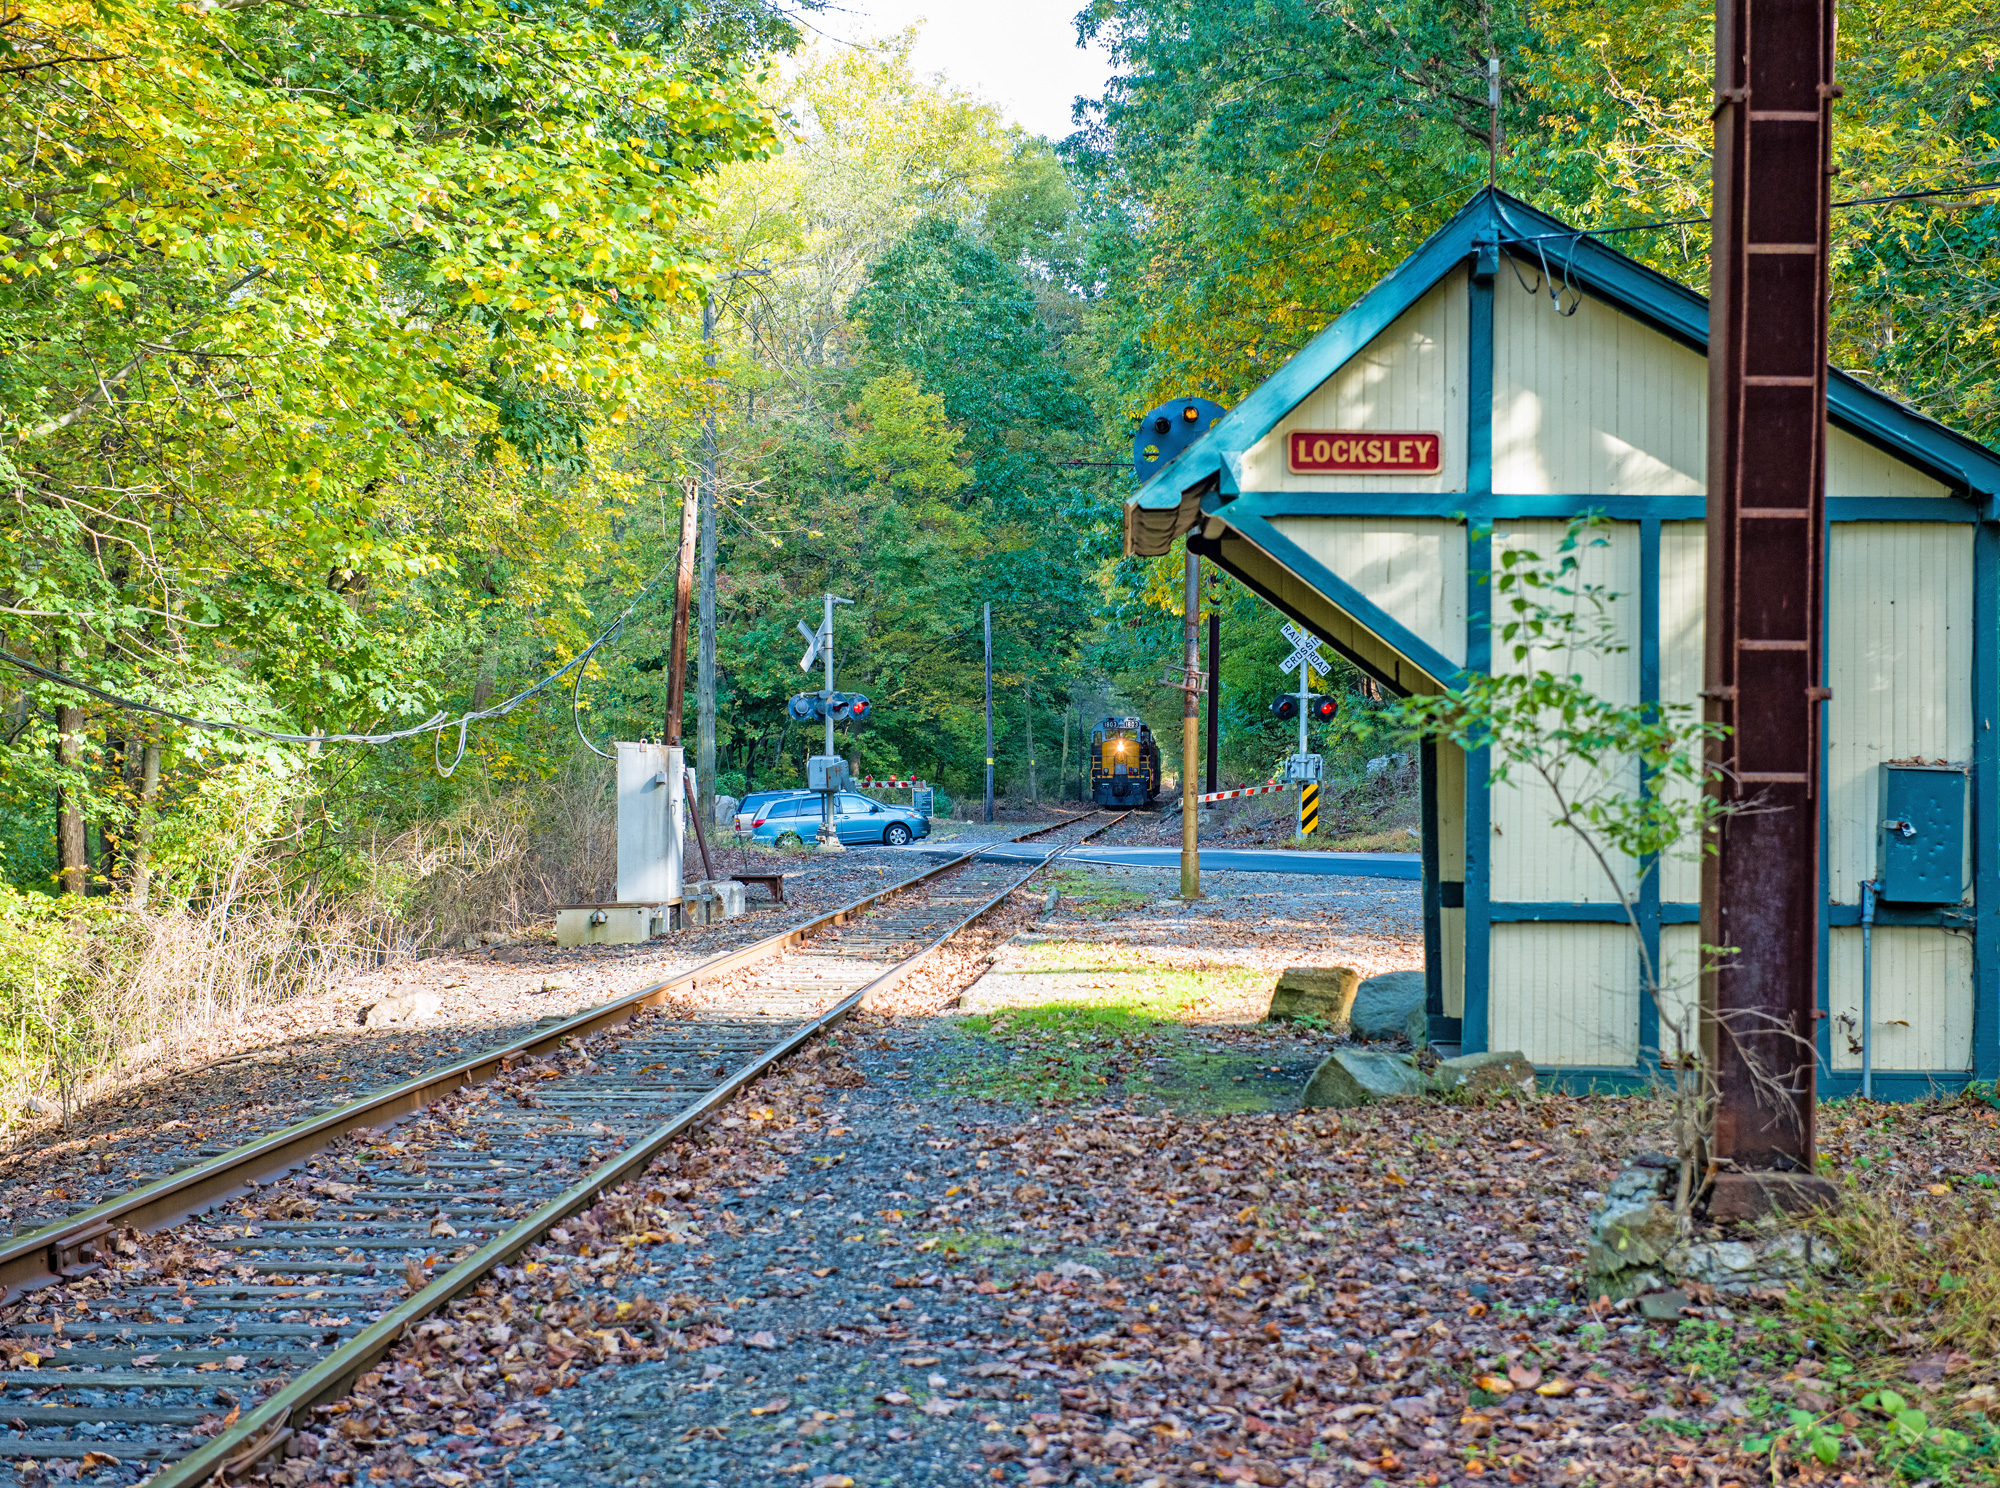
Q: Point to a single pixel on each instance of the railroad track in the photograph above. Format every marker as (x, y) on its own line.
(281, 1293)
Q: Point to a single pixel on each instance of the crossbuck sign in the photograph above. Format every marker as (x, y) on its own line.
(1305, 649)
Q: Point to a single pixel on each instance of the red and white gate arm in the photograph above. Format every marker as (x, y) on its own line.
(1248, 790)
(900, 784)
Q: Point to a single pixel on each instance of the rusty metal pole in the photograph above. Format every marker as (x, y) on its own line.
(1766, 562)
(1190, 728)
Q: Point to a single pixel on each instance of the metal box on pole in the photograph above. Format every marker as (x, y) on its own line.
(1920, 838)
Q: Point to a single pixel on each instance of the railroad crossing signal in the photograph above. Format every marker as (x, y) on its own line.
(841, 707)
(1286, 706)
(1320, 708)
(1305, 650)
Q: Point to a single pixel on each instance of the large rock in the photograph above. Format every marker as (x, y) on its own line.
(1323, 993)
(1383, 1004)
(1360, 1077)
(725, 810)
(401, 1007)
(1482, 1074)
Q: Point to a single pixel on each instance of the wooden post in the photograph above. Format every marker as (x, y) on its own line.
(683, 587)
(1190, 729)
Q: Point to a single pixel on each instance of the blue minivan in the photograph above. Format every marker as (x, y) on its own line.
(857, 820)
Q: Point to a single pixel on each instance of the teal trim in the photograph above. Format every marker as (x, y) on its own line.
(1476, 1028)
(1950, 916)
(1452, 505)
(1649, 697)
(1986, 802)
(1559, 911)
(1612, 1079)
(1345, 597)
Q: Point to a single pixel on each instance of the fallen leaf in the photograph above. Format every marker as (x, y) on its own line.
(94, 1460)
(1494, 1384)
(235, 1361)
(893, 1397)
(937, 1405)
(139, 1359)
(1524, 1376)
(761, 1340)
(1554, 1388)
(832, 1480)
(771, 1407)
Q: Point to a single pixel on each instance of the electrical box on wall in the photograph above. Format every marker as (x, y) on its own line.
(1920, 853)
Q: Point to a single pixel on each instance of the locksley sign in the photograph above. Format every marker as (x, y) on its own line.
(1364, 452)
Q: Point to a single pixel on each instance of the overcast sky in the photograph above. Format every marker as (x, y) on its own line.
(1019, 54)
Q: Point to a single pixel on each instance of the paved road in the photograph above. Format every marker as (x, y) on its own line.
(1231, 859)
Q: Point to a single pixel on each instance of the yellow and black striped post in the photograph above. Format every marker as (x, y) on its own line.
(1309, 808)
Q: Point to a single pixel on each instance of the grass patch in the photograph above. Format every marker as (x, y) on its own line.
(1899, 1382)
(1095, 894)
(1054, 1053)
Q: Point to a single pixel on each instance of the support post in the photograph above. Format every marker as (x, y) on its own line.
(829, 833)
(1214, 696)
(677, 651)
(1190, 727)
(986, 620)
(1766, 533)
(705, 660)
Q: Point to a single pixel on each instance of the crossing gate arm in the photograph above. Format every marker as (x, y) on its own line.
(1248, 790)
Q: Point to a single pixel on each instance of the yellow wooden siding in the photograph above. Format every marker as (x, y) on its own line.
(1922, 997)
(1899, 661)
(1410, 377)
(1683, 588)
(1451, 869)
(1413, 570)
(1857, 468)
(1533, 860)
(1680, 990)
(1565, 994)
(1594, 402)
(1598, 403)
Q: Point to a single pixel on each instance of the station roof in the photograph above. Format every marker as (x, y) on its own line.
(1168, 504)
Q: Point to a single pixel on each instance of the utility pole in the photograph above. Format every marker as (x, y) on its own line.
(1190, 727)
(705, 662)
(677, 652)
(1760, 892)
(1214, 695)
(1028, 711)
(1492, 98)
(988, 623)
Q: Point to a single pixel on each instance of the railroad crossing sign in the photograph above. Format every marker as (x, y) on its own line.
(1305, 650)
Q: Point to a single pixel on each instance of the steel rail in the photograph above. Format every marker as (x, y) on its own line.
(266, 1429)
(67, 1247)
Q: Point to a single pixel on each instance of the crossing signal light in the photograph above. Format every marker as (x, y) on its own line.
(1323, 709)
(841, 707)
(1286, 706)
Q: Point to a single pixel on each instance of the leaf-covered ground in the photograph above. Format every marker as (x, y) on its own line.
(884, 1266)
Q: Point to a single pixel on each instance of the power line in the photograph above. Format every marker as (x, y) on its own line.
(1860, 201)
(437, 723)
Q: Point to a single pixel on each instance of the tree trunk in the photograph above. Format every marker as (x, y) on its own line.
(72, 851)
(1062, 774)
(141, 876)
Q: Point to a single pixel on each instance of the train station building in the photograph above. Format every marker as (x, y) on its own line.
(1508, 375)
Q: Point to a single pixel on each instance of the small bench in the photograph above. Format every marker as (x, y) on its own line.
(775, 882)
